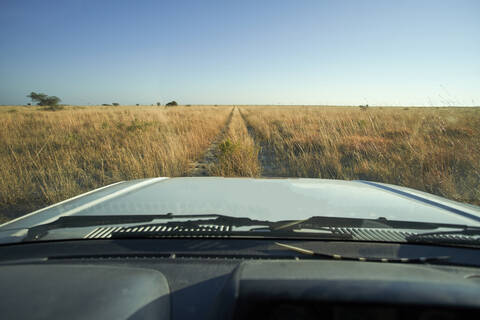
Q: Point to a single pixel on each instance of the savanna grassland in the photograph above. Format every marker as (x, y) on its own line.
(431, 149)
(48, 156)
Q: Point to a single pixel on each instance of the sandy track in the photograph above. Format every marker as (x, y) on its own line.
(200, 168)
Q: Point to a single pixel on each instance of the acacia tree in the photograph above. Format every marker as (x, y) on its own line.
(44, 100)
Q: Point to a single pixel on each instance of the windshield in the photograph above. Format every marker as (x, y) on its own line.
(270, 110)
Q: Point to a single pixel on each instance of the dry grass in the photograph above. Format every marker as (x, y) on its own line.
(46, 156)
(432, 149)
(237, 154)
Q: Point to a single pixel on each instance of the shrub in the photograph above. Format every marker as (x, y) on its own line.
(116, 104)
(172, 103)
(227, 147)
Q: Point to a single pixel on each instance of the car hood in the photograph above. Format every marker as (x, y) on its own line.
(265, 199)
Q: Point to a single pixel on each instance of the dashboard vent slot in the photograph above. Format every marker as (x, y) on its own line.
(373, 234)
(160, 231)
(101, 233)
(448, 238)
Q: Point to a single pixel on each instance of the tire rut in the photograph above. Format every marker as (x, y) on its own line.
(200, 168)
(266, 156)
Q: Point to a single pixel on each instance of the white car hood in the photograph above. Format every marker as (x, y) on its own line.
(265, 199)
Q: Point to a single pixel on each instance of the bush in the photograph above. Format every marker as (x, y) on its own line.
(116, 104)
(158, 104)
(106, 104)
(227, 147)
(172, 103)
(363, 107)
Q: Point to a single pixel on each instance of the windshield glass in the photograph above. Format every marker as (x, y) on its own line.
(271, 110)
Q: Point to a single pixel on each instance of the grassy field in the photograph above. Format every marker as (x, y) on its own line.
(431, 149)
(47, 156)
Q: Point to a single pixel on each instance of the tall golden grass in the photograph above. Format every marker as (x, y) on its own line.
(436, 150)
(47, 156)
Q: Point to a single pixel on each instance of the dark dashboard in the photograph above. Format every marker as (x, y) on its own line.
(232, 279)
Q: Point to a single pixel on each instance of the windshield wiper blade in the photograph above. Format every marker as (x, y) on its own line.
(37, 232)
(363, 259)
(329, 222)
(467, 235)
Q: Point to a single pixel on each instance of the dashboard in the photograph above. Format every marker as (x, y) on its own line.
(206, 279)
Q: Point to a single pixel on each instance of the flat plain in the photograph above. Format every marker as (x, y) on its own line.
(49, 156)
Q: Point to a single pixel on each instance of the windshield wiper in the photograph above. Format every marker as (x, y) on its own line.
(363, 259)
(466, 235)
(331, 222)
(319, 224)
(37, 232)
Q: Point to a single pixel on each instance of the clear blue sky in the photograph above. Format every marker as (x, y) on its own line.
(241, 52)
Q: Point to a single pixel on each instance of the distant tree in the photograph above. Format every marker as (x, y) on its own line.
(106, 104)
(43, 99)
(37, 97)
(172, 103)
(364, 107)
(158, 104)
(29, 104)
(116, 104)
(137, 104)
(51, 101)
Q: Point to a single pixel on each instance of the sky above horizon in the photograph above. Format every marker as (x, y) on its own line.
(242, 52)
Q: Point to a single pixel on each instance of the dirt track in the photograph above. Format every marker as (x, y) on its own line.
(266, 155)
(200, 168)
